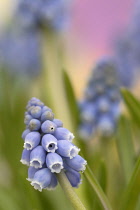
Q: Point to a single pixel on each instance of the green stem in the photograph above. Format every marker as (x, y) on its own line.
(54, 83)
(71, 195)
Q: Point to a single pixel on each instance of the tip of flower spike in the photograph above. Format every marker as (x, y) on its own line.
(36, 163)
(24, 162)
(36, 186)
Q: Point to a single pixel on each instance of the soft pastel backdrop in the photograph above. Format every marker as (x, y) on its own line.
(94, 25)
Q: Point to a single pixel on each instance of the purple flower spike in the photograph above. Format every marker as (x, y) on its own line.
(48, 127)
(63, 134)
(49, 150)
(103, 88)
(67, 149)
(49, 143)
(42, 179)
(32, 140)
(54, 162)
(37, 157)
(77, 163)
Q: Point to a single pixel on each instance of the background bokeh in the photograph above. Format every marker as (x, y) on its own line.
(93, 29)
(94, 25)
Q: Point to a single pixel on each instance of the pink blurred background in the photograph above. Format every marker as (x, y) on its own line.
(94, 26)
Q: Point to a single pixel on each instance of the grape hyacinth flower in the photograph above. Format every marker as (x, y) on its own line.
(99, 109)
(127, 49)
(127, 58)
(52, 14)
(48, 149)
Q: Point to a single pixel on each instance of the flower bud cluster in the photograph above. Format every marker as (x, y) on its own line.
(99, 108)
(48, 148)
(51, 14)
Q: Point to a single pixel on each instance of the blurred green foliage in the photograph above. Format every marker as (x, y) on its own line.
(114, 162)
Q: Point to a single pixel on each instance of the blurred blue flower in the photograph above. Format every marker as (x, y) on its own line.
(125, 55)
(20, 52)
(99, 108)
(49, 148)
(52, 14)
(127, 50)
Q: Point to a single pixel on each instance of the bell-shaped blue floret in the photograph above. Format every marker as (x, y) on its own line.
(32, 140)
(67, 149)
(37, 157)
(54, 162)
(42, 179)
(49, 143)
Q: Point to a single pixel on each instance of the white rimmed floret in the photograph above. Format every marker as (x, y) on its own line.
(56, 167)
(63, 134)
(49, 143)
(28, 145)
(37, 157)
(32, 140)
(42, 179)
(25, 158)
(54, 162)
(67, 149)
(77, 163)
(37, 185)
(31, 173)
(36, 163)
